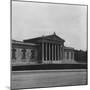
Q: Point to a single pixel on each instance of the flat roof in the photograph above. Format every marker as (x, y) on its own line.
(68, 48)
(23, 43)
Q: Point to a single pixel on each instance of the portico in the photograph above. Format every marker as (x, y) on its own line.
(52, 52)
(52, 49)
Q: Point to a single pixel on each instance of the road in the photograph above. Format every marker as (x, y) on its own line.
(47, 78)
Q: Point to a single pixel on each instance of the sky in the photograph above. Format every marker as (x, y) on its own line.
(30, 19)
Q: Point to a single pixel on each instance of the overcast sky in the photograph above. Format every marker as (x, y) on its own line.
(31, 20)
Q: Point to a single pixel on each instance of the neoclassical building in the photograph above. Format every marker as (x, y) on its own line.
(41, 50)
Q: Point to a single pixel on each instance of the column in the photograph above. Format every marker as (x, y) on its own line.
(52, 52)
(55, 51)
(62, 52)
(58, 52)
(42, 51)
(46, 51)
(69, 55)
(73, 55)
(49, 52)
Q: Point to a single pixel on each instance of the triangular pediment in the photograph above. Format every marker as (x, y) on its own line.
(54, 38)
(47, 38)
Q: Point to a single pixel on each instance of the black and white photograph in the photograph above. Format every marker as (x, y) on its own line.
(49, 44)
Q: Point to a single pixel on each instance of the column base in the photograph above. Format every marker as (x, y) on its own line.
(47, 62)
(52, 62)
(57, 62)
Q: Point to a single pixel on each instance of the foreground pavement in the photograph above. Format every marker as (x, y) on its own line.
(47, 78)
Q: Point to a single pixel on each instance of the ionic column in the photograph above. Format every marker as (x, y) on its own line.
(49, 52)
(73, 55)
(43, 51)
(52, 51)
(46, 51)
(55, 51)
(63, 52)
(58, 52)
(70, 55)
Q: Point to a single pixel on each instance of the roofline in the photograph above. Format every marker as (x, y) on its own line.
(22, 43)
(68, 48)
(42, 37)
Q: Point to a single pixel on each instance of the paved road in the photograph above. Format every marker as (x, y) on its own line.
(48, 78)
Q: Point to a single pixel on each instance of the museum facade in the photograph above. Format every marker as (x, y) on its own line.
(48, 49)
